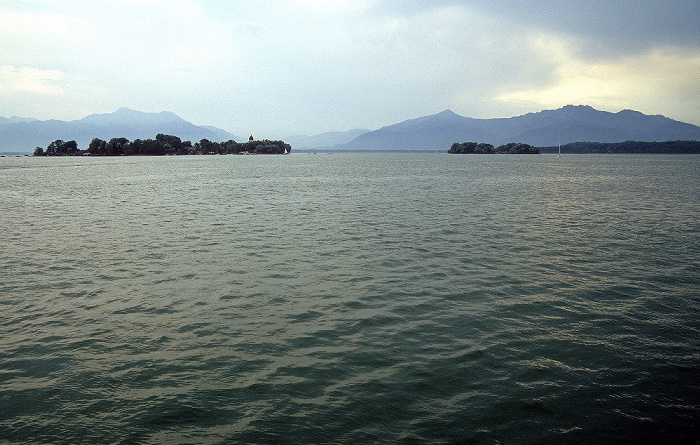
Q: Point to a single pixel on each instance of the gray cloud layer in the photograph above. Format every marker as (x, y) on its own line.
(319, 65)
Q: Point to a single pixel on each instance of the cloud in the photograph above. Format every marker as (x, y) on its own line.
(605, 28)
(104, 36)
(343, 6)
(641, 81)
(29, 80)
(615, 29)
(42, 38)
(309, 66)
(373, 67)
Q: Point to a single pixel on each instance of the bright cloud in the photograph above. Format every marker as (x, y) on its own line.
(328, 5)
(307, 66)
(642, 81)
(29, 80)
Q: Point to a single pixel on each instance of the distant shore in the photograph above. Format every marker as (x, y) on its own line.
(205, 147)
(631, 147)
(639, 147)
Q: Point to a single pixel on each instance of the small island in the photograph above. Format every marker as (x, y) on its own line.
(162, 145)
(483, 148)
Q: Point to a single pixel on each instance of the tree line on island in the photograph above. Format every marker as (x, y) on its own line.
(163, 144)
(639, 147)
(483, 148)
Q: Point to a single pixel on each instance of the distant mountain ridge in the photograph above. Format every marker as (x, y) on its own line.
(568, 124)
(15, 119)
(329, 139)
(24, 134)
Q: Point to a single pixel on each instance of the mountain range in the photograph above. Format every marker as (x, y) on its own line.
(323, 140)
(22, 135)
(543, 129)
(436, 132)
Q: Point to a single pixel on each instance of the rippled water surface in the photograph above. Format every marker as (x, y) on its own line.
(350, 298)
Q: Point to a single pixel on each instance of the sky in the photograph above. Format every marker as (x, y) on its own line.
(280, 67)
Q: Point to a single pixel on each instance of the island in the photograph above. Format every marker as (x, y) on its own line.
(483, 148)
(163, 144)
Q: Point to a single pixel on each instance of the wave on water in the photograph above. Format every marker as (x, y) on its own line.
(354, 298)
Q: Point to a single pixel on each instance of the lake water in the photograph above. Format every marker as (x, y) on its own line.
(350, 299)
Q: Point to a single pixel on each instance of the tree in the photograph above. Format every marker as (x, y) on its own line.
(70, 148)
(171, 144)
(97, 147)
(62, 148)
(134, 148)
(53, 148)
(483, 148)
(206, 147)
(38, 151)
(94, 146)
(517, 148)
(463, 148)
(152, 147)
(231, 147)
(119, 146)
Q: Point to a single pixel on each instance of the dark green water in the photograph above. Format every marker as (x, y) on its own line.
(350, 298)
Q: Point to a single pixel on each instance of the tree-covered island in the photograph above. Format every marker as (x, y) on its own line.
(482, 148)
(640, 147)
(163, 144)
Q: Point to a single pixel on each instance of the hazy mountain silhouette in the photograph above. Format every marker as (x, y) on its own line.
(329, 139)
(428, 133)
(545, 128)
(15, 119)
(23, 135)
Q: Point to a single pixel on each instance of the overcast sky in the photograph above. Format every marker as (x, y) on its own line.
(308, 66)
